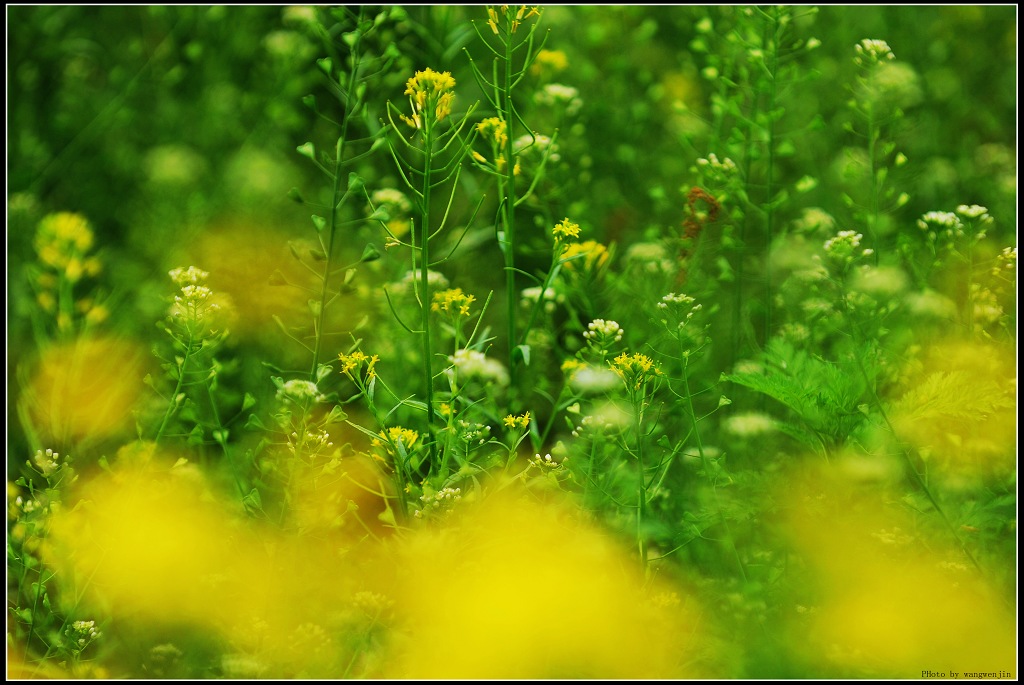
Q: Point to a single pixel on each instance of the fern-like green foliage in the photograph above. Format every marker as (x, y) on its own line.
(826, 399)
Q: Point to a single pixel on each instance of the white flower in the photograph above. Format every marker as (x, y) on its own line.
(473, 364)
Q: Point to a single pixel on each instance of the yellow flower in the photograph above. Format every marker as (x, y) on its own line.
(595, 256)
(395, 435)
(635, 369)
(495, 129)
(513, 421)
(452, 302)
(62, 237)
(565, 230)
(351, 363)
(429, 91)
(549, 62)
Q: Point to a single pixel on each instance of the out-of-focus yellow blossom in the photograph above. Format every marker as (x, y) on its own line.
(86, 389)
(429, 91)
(888, 600)
(549, 62)
(594, 256)
(539, 595)
(959, 408)
(62, 236)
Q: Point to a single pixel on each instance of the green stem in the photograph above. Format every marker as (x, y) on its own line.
(177, 389)
(428, 365)
(641, 510)
(509, 198)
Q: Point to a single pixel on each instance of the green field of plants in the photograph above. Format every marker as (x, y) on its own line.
(512, 342)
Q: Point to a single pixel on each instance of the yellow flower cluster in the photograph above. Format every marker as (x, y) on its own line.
(549, 61)
(62, 240)
(565, 230)
(595, 256)
(452, 302)
(495, 129)
(351, 363)
(395, 435)
(513, 15)
(429, 91)
(513, 421)
(635, 369)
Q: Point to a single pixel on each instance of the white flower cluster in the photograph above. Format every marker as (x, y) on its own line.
(545, 463)
(192, 275)
(529, 297)
(844, 245)
(436, 280)
(680, 307)
(601, 333)
(944, 220)
(871, 52)
(299, 391)
(558, 94)
(749, 424)
(536, 143)
(441, 501)
(650, 257)
(82, 633)
(48, 462)
(194, 301)
(720, 169)
(974, 212)
(393, 201)
(472, 364)
(474, 432)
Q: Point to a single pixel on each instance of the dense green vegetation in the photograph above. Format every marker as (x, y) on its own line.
(511, 342)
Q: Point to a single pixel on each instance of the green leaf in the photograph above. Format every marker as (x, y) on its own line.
(319, 222)
(295, 196)
(253, 501)
(326, 65)
(221, 436)
(307, 150)
(253, 422)
(370, 253)
(524, 350)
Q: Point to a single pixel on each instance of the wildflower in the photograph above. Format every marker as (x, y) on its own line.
(749, 424)
(299, 391)
(556, 94)
(511, 17)
(494, 128)
(590, 380)
(352, 362)
(722, 169)
(435, 279)
(650, 257)
(429, 91)
(532, 295)
(602, 334)
(591, 254)
(549, 62)
(61, 240)
(391, 207)
(872, 52)
(395, 436)
(513, 421)
(473, 364)
(636, 370)
(842, 248)
(565, 230)
(190, 276)
(452, 302)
